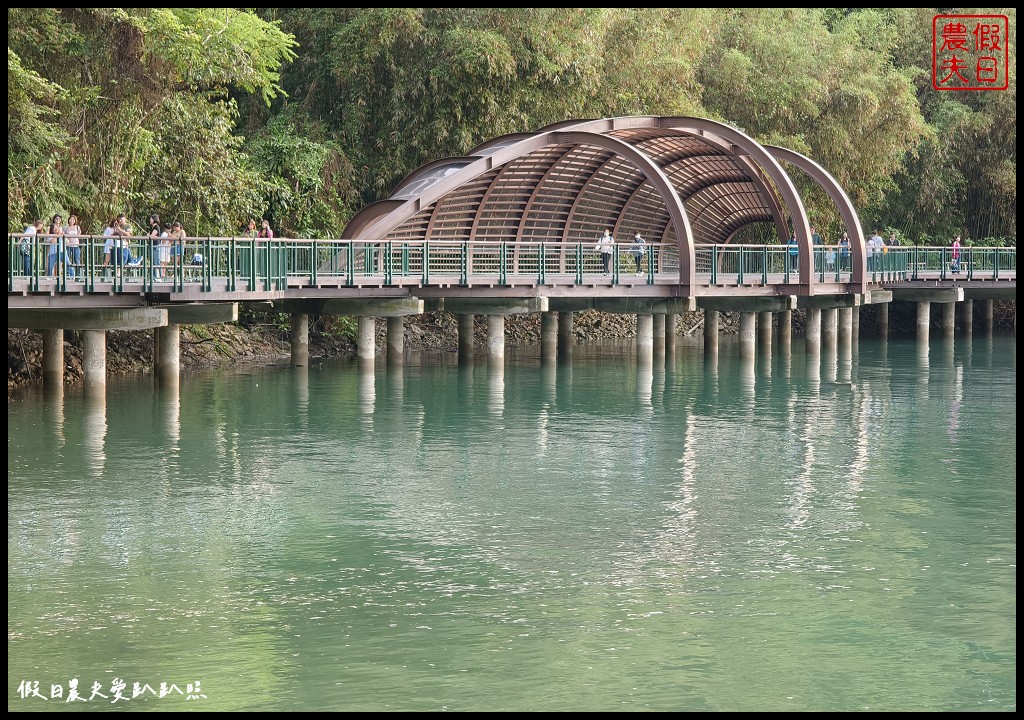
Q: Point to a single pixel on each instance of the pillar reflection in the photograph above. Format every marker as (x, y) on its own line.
(300, 384)
(95, 439)
(496, 389)
(366, 392)
(644, 385)
(814, 373)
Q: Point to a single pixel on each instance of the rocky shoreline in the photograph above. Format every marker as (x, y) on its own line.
(264, 338)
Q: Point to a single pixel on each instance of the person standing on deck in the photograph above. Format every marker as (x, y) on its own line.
(606, 246)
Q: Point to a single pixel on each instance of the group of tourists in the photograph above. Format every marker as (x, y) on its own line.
(62, 242)
(63, 245)
(825, 260)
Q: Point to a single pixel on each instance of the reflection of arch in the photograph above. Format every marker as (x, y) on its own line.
(520, 187)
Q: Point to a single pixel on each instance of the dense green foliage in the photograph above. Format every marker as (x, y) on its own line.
(304, 115)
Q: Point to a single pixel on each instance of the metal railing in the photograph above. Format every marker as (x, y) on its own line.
(246, 264)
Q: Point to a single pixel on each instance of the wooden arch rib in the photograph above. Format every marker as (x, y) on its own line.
(673, 204)
(381, 220)
(745, 165)
(377, 220)
(782, 181)
(843, 204)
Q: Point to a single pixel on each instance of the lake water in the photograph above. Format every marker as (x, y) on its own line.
(717, 535)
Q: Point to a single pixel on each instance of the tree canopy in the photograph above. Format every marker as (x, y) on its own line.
(304, 115)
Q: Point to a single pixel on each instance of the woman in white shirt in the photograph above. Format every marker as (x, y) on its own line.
(72, 231)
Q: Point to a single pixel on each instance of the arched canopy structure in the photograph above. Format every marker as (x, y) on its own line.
(677, 180)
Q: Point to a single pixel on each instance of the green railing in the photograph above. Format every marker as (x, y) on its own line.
(245, 264)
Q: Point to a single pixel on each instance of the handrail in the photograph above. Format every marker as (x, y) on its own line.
(240, 264)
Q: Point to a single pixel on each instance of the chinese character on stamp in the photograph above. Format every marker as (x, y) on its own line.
(970, 52)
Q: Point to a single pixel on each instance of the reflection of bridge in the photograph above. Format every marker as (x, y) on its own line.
(511, 228)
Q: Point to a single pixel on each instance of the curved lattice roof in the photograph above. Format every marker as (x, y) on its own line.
(682, 181)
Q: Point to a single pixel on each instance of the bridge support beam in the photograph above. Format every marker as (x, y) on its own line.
(967, 318)
(366, 344)
(711, 332)
(496, 341)
(136, 318)
(167, 342)
(924, 316)
(53, 358)
(467, 328)
(94, 363)
(671, 325)
(396, 341)
(813, 332)
(644, 340)
(948, 320)
(748, 335)
(496, 306)
(771, 303)
(300, 339)
(565, 336)
(659, 334)
(354, 307)
(828, 329)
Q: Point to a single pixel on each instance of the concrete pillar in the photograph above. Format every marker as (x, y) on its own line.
(53, 358)
(923, 320)
(785, 331)
(845, 325)
(948, 319)
(496, 341)
(645, 340)
(671, 320)
(813, 332)
(565, 335)
(967, 318)
(764, 329)
(855, 327)
(988, 317)
(396, 341)
(168, 360)
(300, 339)
(711, 331)
(748, 334)
(829, 329)
(548, 337)
(366, 344)
(882, 313)
(467, 329)
(94, 362)
(659, 334)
